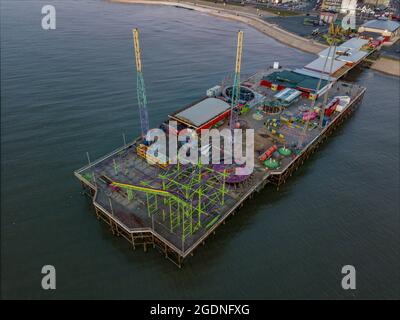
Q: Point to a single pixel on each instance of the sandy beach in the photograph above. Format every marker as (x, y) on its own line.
(250, 17)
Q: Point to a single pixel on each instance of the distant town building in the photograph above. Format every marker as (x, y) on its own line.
(331, 5)
(376, 3)
(389, 30)
(342, 6)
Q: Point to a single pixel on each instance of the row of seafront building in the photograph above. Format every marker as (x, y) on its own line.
(314, 79)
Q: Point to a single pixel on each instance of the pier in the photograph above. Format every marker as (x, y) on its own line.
(155, 200)
(177, 227)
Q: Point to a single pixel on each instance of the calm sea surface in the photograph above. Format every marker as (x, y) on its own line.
(72, 90)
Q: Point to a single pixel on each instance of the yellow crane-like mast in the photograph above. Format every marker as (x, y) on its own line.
(239, 50)
(135, 33)
(236, 83)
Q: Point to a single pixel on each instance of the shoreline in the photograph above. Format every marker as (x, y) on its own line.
(249, 17)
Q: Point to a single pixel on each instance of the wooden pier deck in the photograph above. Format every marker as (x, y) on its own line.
(130, 221)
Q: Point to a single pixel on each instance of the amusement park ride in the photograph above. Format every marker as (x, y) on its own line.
(234, 117)
(141, 91)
